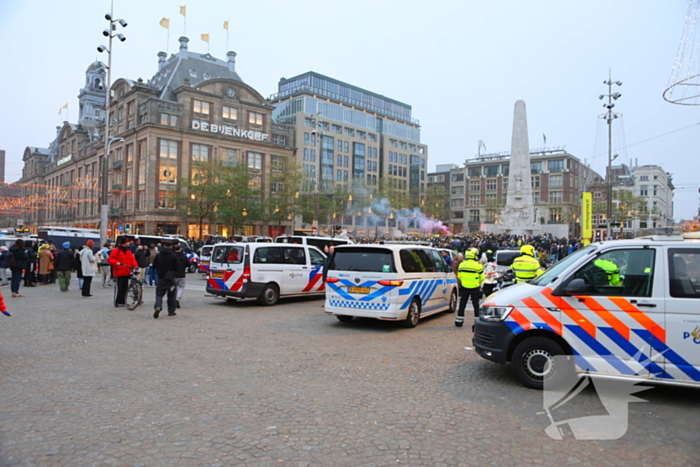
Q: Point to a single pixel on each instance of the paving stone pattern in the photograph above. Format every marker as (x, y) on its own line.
(224, 384)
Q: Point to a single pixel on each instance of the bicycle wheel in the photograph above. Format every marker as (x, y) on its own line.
(133, 295)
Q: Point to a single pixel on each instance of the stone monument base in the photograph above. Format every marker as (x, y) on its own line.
(556, 230)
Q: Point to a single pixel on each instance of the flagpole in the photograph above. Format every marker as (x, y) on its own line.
(167, 41)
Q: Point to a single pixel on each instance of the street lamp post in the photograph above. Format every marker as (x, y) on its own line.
(609, 117)
(111, 34)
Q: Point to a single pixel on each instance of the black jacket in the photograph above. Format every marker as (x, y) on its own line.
(182, 264)
(165, 261)
(21, 260)
(142, 257)
(64, 260)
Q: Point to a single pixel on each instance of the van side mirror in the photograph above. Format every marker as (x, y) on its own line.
(576, 287)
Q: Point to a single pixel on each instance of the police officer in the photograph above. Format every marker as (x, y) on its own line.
(526, 267)
(470, 275)
(611, 269)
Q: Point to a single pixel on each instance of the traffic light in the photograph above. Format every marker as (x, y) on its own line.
(127, 228)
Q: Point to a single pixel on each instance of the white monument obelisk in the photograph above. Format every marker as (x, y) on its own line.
(519, 215)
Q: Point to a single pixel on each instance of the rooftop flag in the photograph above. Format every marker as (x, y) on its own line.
(183, 10)
(165, 22)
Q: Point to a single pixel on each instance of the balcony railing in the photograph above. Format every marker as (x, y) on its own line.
(115, 211)
(117, 186)
(117, 164)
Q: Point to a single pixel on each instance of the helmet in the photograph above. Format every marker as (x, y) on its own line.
(471, 253)
(527, 250)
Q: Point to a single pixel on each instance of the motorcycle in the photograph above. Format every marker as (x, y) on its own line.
(504, 280)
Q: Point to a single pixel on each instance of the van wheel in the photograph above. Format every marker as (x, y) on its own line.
(192, 268)
(534, 363)
(344, 318)
(454, 300)
(269, 295)
(413, 315)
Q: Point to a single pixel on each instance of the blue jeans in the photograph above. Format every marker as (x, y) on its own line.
(152, 276)
(16, 280)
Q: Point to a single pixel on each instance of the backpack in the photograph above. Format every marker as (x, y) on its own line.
(11, 262)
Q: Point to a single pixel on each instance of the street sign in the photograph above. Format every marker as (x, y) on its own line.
(120, 228)
(20, 222)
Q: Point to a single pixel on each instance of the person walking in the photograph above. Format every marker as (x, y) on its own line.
(45, 263)
(152, 272)
(166, 264)
(29, 270)
(18, 262)
(122, 260)
(181, 274)
(526, 266)
(141, 255)
(4, 251)
(470, 276)
(87, 264)
(105, 268)
(64, 266)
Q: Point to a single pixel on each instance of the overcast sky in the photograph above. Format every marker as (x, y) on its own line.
(460, 64)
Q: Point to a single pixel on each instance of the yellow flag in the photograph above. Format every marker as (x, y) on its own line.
(165, 22)
(226, 25)
(183, 10)
(60, 110)
(205, 38)
(65, 106)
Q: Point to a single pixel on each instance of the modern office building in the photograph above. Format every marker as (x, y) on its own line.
(354, 143)
(195, 108)
(478, 189)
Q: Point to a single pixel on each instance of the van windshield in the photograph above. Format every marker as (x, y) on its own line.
(556, 270)
(362, 259)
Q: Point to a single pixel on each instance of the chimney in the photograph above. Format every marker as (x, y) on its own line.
(231, 61)
(183, 46)
(58, 131)
(161, 60)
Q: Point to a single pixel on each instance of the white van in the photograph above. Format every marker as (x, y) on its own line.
(204, 258)
(265, 271)
(626, 309)
(389, 282)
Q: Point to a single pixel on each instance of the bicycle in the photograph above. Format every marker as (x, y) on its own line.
(134, 291)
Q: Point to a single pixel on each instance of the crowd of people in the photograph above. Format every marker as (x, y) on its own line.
(39, 263)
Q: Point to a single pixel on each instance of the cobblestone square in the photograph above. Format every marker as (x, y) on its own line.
(222, 384)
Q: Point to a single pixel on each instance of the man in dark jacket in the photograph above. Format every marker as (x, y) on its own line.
(166, 264)
(18, 264)
(64, 264)
(181, 274)
(141, 255)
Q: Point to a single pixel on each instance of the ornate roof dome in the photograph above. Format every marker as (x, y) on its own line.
(96, 65)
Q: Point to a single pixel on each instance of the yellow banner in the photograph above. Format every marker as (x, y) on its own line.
(586, 217)
(165, 22)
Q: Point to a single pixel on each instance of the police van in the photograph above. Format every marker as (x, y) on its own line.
(626, 309)
(319, 242)
(265, 271)
(389, 282)
(204, 257)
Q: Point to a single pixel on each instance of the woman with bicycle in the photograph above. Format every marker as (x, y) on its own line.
(122, 260)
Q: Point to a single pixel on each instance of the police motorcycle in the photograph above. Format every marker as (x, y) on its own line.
(504, 280)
